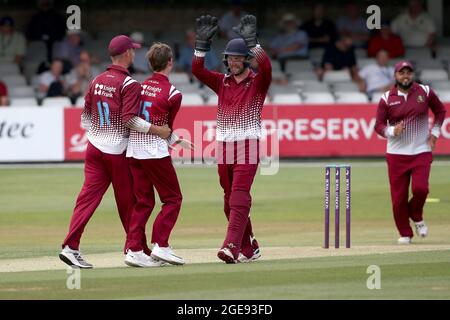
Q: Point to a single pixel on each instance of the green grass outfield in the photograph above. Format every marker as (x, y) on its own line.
(287, 212)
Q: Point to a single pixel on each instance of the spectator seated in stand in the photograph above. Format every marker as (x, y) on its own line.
(378, 77)
(231, 19)
(68, 50)
(290, 43)
(79, 78)
(47, 25)
(53, 83)
(415, 27)
(321, 30)
(12, 43)
(339, 56)
(386, 40)
(140, 63)
(353, 25)
(184, 61)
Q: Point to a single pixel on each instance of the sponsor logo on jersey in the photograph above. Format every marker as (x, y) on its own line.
(104, 91)
(394, 103)
(150, 91)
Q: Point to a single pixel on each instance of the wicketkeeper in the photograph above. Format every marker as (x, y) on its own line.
(241, 94)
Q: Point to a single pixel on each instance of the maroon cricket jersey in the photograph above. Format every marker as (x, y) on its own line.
(412, 109)
(109, 103)
(159, 104)
(240, 104)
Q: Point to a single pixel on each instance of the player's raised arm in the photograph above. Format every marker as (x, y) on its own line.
(247, 29)
(206, 28)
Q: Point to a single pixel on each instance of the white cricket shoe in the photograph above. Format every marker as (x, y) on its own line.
(404, 240)
(226, 255)
(256, 255)
(140, 259)
(166, 254)
(421, 229)
(74, 259)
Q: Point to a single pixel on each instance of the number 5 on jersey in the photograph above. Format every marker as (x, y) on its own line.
(145, 109)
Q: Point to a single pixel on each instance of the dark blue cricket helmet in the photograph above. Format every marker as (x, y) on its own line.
(237, 47)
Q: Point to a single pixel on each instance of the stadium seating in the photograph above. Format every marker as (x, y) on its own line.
(303, 84)
(345, 87)
(212, 100)
(444, 95)
(360, 53)
(428, 64)
(318, 97)
(275, 88)
(441, 85)
(36, 51)
(139, 77)
(192, 99)
(30, 69)
(275, 66)
(79, 102)
(314, 86)
(188, 88)
(295, 66)
(363, 62)
(376, 97)
(23, 102)
(98, 48)
(8, 69)
(351, 97)
(429, 75)
(337, 76)
(315, 55)
(416, 54)
(443, 53)
(286, 98)
(278, 74)
(303, 76)
(56, 102)
(12, 80)
(179, 78)
(22, 92)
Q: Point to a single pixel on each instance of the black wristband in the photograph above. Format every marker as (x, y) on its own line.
(202, 45)
(251, 42)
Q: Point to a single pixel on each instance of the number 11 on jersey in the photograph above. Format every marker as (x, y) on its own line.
(103, 113)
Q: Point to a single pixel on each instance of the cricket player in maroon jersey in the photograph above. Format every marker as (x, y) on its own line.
(151, 165)
(402, 118)
(241, 95)
(108, 115)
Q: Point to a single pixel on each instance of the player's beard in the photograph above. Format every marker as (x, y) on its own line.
(240, 71)
(404, 86)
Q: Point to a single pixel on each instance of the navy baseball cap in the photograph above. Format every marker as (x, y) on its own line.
(403, 64)
(7, 21)
(120, 44)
